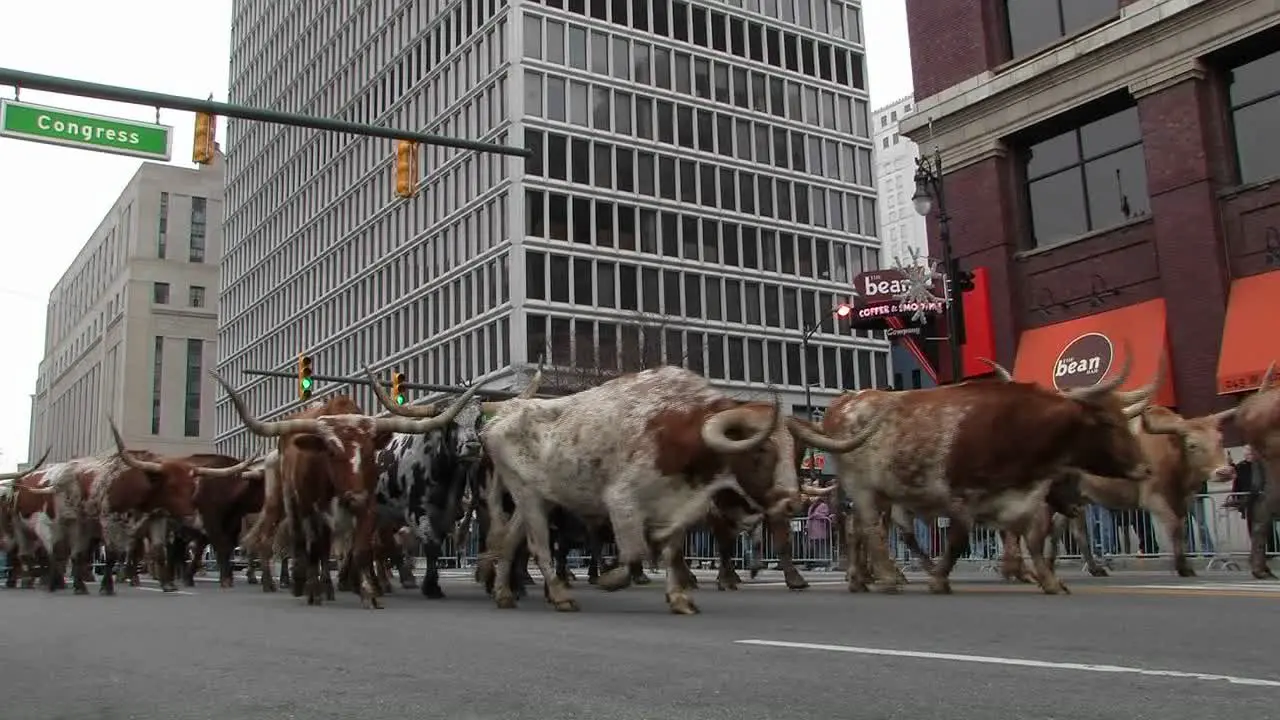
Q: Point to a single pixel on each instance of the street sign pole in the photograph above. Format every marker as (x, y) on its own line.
(67, 86)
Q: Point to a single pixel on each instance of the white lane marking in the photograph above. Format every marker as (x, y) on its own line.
(1263, 587)
(156, 589)
(1019, 662)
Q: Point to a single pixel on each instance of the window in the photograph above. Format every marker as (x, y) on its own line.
(1088, 178)
(196, 297)
(191, 413)
(199, 206)
(157, 372)
(1255, 114)
(160, 293)
(162, 242)
(1034, 24)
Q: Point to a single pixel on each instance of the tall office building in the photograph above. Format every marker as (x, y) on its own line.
(131, 327)
(700, 193)
(902, 229)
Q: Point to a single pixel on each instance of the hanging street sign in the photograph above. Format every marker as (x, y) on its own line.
(70, 128)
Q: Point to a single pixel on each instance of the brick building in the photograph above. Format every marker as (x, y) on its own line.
(1111, 165)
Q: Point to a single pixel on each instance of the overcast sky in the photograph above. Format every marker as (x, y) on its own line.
(52, 198)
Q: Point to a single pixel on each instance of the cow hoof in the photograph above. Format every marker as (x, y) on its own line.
(641, 579)
(269, 587)
(408, 585)
(682, 605)
(432, 592)
(856, 586)
(891, 588)
(505, 600)
(81, 590)
(371, 603)
(569, 576)
(797, 584)
(1264, 574)
(940, 586)
(169, 588)
(616, 579)
(726, 585)
(1186, 572)
(567, 606)
(106, 591)
(251, 580)
(595, 580)
(1099, 571)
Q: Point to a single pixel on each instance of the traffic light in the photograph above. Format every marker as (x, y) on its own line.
(397, 392)
(961, 283)
(406, 168)
(206, 136)
(305, 383)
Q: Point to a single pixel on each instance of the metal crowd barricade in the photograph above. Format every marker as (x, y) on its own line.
(1215, 532)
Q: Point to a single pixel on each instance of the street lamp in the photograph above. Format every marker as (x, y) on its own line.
(929, 190)
(843, 310)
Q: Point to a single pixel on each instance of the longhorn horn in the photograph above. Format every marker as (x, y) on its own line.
(999, 369)
(1267, 377)
(130, 460)
(409, 411)
(228, 471)
(425, 425)
(10, 478)
(1108, 385)
(532, 388)
(264, 428)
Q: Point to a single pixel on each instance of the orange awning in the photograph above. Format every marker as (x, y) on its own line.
(1249, 341)
(1081, 352)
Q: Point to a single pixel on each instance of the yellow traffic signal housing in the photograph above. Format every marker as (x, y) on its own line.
(305, 383)
(397, 391)
(206, 136)
(406, 168)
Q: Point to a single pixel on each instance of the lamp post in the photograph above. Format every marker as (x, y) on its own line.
(928, 191)
(839, 311)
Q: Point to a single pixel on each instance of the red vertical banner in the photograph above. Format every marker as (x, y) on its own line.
(978, 329)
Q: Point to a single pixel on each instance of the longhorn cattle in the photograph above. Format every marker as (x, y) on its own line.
(1258, 418)
(327, 478)
(14, 536)
(72, 506)
(221, 508)
(1182, 452)
(422, 476)
(646, 452)
(978, 451)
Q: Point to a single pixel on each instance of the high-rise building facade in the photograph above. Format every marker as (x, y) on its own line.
(700, 193)
(902, 228)
(132, 326)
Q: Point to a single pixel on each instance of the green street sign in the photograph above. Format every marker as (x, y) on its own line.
(69, 128)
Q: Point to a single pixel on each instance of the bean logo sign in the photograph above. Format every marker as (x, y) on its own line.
(1083, 362)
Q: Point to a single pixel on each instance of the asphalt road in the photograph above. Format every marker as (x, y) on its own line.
(1141, 645)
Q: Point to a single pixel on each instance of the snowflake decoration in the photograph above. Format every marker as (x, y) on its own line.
(920, 277)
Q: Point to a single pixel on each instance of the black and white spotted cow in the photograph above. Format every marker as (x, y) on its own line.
(422, 478)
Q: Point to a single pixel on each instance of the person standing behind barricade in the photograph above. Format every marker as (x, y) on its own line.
(1201, 540)
(818, 530)
(1249, 483)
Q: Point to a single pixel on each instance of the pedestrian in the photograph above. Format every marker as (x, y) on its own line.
(818, 531)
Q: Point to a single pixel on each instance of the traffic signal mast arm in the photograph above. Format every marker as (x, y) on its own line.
(80, 88)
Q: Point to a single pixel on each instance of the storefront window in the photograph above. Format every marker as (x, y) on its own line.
(1255, 115)
(1088, 178)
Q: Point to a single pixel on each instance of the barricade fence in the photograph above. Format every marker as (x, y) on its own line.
(1215, 531)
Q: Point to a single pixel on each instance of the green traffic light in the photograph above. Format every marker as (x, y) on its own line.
(400, 399)
(306, 383)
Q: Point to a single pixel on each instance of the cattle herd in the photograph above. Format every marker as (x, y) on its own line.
(638, 461)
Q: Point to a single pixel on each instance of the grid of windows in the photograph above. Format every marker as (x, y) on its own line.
(321, 257)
